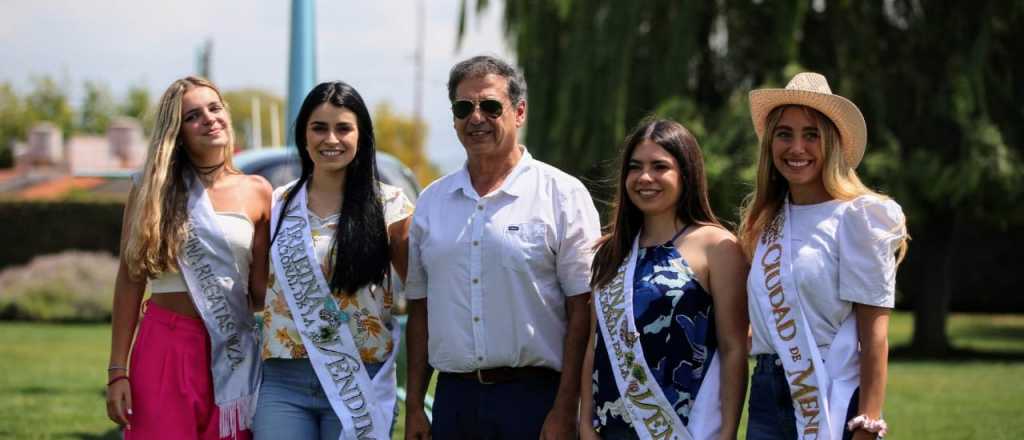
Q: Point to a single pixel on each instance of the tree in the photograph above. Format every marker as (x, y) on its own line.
(939, 85)
(240, 105)
(933, 83)
(48, 101)
(97, 109)
(13, 123)
(404, 138)
(136, 105)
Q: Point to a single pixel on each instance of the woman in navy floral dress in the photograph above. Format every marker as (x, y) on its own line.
(687, 302)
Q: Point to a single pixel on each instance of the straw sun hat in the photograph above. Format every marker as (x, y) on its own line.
(811, 90)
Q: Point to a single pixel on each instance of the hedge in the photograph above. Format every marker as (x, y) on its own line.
(984, 273)
(31, 228)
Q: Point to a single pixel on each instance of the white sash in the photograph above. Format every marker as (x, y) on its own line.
(814, 383)
(365, 406)
(219, 293)
(652, 416)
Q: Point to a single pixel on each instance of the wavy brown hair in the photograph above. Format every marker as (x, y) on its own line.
(693, 206)
(159, 213)
(840, 179)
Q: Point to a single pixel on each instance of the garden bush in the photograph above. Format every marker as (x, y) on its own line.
(29, 228)
(72, 286)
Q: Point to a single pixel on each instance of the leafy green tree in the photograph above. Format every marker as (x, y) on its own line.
(935, 82)
(97, 109)
(137, 104)
(13, 123)
(48, 101)
(939, 85)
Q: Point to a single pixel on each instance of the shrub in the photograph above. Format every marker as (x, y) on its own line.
(29, 227)
(70, 286)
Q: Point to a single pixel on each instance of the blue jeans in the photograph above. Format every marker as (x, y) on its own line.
(770, 412)
(292, 404)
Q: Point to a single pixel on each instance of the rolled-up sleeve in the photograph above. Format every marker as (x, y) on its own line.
(580, 228)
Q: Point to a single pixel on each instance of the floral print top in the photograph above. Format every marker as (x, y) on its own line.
(674, 316)
(369, 308)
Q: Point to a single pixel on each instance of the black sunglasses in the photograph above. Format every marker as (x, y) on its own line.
(463, 108)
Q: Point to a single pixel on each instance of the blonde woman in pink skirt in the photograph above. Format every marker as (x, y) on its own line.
(195, 231)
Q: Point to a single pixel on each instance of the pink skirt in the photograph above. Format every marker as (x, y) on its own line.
(172, 390)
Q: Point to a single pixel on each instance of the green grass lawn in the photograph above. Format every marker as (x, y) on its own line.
(53, 380)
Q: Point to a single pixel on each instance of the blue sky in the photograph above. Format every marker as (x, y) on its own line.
(369, 44)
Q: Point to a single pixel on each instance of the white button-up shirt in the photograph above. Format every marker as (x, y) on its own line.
(496, 270)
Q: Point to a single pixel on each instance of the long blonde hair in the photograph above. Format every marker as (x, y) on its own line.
(840, 180)
(159, 213)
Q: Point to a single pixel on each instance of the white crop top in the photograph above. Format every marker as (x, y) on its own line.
(238, 230)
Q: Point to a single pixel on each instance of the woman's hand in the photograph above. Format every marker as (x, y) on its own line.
(128, 294)
(119, 402)
(873, 334)
(861, 434)
(587, 432)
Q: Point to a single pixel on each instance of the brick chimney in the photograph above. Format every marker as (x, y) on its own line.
(125, 136)
(45, 144)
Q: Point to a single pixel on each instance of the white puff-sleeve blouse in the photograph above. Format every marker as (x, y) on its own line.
(844, 252)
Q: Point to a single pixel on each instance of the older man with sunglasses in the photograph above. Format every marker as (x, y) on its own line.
(499, 277)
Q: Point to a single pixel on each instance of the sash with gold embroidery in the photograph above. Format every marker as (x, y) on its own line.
(650, 413)
(821, 388)
(365, 406)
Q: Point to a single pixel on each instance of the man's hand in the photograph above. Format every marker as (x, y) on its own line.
(560, 424)
(418, 371)
(417, 427)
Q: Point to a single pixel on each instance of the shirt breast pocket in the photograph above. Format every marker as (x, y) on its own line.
(525, 246)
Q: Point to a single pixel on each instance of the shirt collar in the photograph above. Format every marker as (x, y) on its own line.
(509, 186)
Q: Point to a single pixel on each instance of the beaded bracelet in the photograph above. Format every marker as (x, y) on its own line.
(868, 424)
(111, 382)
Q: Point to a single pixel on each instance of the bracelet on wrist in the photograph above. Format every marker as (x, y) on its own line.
(116, 367)
(874, 426)
(111, 382)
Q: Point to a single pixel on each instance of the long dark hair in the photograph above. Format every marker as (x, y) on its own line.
(362, 257)
(691, 208)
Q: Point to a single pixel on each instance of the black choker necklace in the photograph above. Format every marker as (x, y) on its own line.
(207, 170)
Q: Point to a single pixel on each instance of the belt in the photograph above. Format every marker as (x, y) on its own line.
(767, 362)
(508, 374)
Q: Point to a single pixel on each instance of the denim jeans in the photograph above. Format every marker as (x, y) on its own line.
(293, 404)
(770, 412)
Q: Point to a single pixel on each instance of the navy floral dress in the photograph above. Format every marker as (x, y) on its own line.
(674, 317)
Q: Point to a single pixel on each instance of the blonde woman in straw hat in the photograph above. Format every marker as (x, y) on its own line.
(196, 232)
(824, 250)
